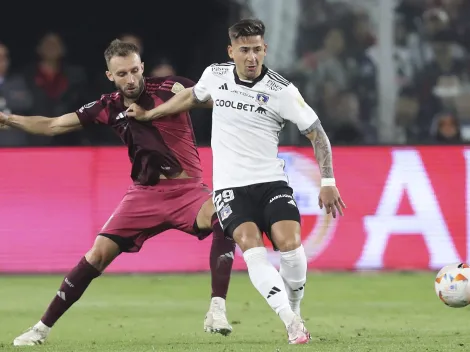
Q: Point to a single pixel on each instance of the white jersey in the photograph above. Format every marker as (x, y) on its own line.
(247, 118)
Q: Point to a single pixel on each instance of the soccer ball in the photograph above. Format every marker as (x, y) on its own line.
(452, 285)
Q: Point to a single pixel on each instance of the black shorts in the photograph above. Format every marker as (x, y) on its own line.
(262, 203)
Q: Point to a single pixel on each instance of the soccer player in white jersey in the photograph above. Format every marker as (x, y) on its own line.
(251, 192)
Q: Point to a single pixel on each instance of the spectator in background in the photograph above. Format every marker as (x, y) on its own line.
(14, 98)
(328, 64)
(445, 129)
(340, 114)
(360, 37)
(56, 86)
(411, 12)
(314, 18)
(406, 114)
(434, 21)
(404, 70)
(363, 71)
(340, 66)
(134, 39)
(441, 81)
(455, 9)
(162, 68)
(459, 13)
(346, 127)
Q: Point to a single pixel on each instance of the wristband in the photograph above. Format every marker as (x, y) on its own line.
(325, 182)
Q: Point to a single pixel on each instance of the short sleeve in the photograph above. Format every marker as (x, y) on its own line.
(93, 113)
(294, 108)
(172, 85)
(185, 82)
(201, 89)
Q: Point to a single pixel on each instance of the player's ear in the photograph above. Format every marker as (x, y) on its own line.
(142, 66)
(110, 76)
(265, 48)
(230, 51)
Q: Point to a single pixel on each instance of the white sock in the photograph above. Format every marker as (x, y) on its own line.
(293, 270)
(268, 282)
(218, 303)
(41, 326)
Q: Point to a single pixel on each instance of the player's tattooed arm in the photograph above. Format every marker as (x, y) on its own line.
(329, 197)
(180, 102)
(47, 126)
(322, 148)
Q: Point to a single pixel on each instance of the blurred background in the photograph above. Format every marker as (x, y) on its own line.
(376, 72)
(389, 80)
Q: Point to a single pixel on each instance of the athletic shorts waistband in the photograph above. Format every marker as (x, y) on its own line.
(172, 182)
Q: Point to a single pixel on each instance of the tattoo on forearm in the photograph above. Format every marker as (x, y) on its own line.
(323, 154)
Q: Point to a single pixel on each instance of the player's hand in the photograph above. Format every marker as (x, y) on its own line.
(138, 113)
(3, 120)
(330, 199)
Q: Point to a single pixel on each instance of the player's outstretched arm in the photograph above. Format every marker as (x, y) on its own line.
(48, 126)
(182, 101)
(329, 195)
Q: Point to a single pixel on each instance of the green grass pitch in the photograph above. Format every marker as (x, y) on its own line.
(344, 312)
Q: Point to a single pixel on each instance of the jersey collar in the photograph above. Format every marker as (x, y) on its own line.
(238, 81)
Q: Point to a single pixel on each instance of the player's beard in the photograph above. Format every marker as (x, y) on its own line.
(134, 93)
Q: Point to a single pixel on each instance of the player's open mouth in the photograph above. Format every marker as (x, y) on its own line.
(251, 68)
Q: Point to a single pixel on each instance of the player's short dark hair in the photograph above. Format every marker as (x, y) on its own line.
(119, 48)
(246, 28)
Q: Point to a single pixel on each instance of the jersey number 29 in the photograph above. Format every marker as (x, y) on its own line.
(222, 198)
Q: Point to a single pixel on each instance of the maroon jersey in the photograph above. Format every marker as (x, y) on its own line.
(165, 146)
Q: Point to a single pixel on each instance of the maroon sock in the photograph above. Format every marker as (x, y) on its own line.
(72, 288)
(221, 259)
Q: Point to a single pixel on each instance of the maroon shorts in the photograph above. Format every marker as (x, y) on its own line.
(146, 211)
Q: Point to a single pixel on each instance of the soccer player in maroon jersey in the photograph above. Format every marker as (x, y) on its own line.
(167, 190)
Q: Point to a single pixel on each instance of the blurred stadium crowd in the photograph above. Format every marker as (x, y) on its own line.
(335, 68)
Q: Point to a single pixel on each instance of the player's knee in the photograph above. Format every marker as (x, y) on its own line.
(247, 236)
(103, 252)
(289, 244)
(286, 235)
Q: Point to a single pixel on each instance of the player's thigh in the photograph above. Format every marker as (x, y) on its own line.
(139, 216)
(205, 213)
(248, 235)
(234, 207)
(282, 217)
